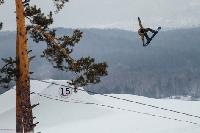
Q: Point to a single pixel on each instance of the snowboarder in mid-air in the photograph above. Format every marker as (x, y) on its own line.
(143, 33)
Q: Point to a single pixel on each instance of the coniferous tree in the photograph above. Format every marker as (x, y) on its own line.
(58, 52)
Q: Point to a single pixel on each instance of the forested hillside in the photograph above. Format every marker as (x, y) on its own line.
(169, 66)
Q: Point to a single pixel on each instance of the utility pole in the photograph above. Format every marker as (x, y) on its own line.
(24, 118)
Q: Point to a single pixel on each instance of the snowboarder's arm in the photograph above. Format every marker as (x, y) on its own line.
(140, 23)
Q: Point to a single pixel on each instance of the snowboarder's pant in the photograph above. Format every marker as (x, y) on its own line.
(147, 37)
(147, 30)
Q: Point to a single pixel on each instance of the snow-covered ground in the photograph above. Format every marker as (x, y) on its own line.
(86, 113)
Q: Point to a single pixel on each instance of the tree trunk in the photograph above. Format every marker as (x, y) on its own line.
(24, 121)
(19, 124)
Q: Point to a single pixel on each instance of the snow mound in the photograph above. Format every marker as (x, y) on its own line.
(81, 112)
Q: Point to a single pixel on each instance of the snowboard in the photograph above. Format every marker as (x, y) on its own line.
(148, 41)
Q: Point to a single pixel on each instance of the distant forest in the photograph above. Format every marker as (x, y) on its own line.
(170, 66)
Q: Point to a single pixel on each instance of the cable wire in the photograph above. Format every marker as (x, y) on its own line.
(55, 98)
(127, 100)
(8, 130)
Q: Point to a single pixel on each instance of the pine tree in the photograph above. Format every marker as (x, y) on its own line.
(58, 52)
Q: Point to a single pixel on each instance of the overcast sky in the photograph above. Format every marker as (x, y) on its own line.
(116, 13)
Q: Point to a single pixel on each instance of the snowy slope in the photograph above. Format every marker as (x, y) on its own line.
(76, 116)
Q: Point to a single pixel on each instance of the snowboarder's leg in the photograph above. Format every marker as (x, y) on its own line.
(148, 39)
(142, 38)
(146, 36)
(151, 30)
